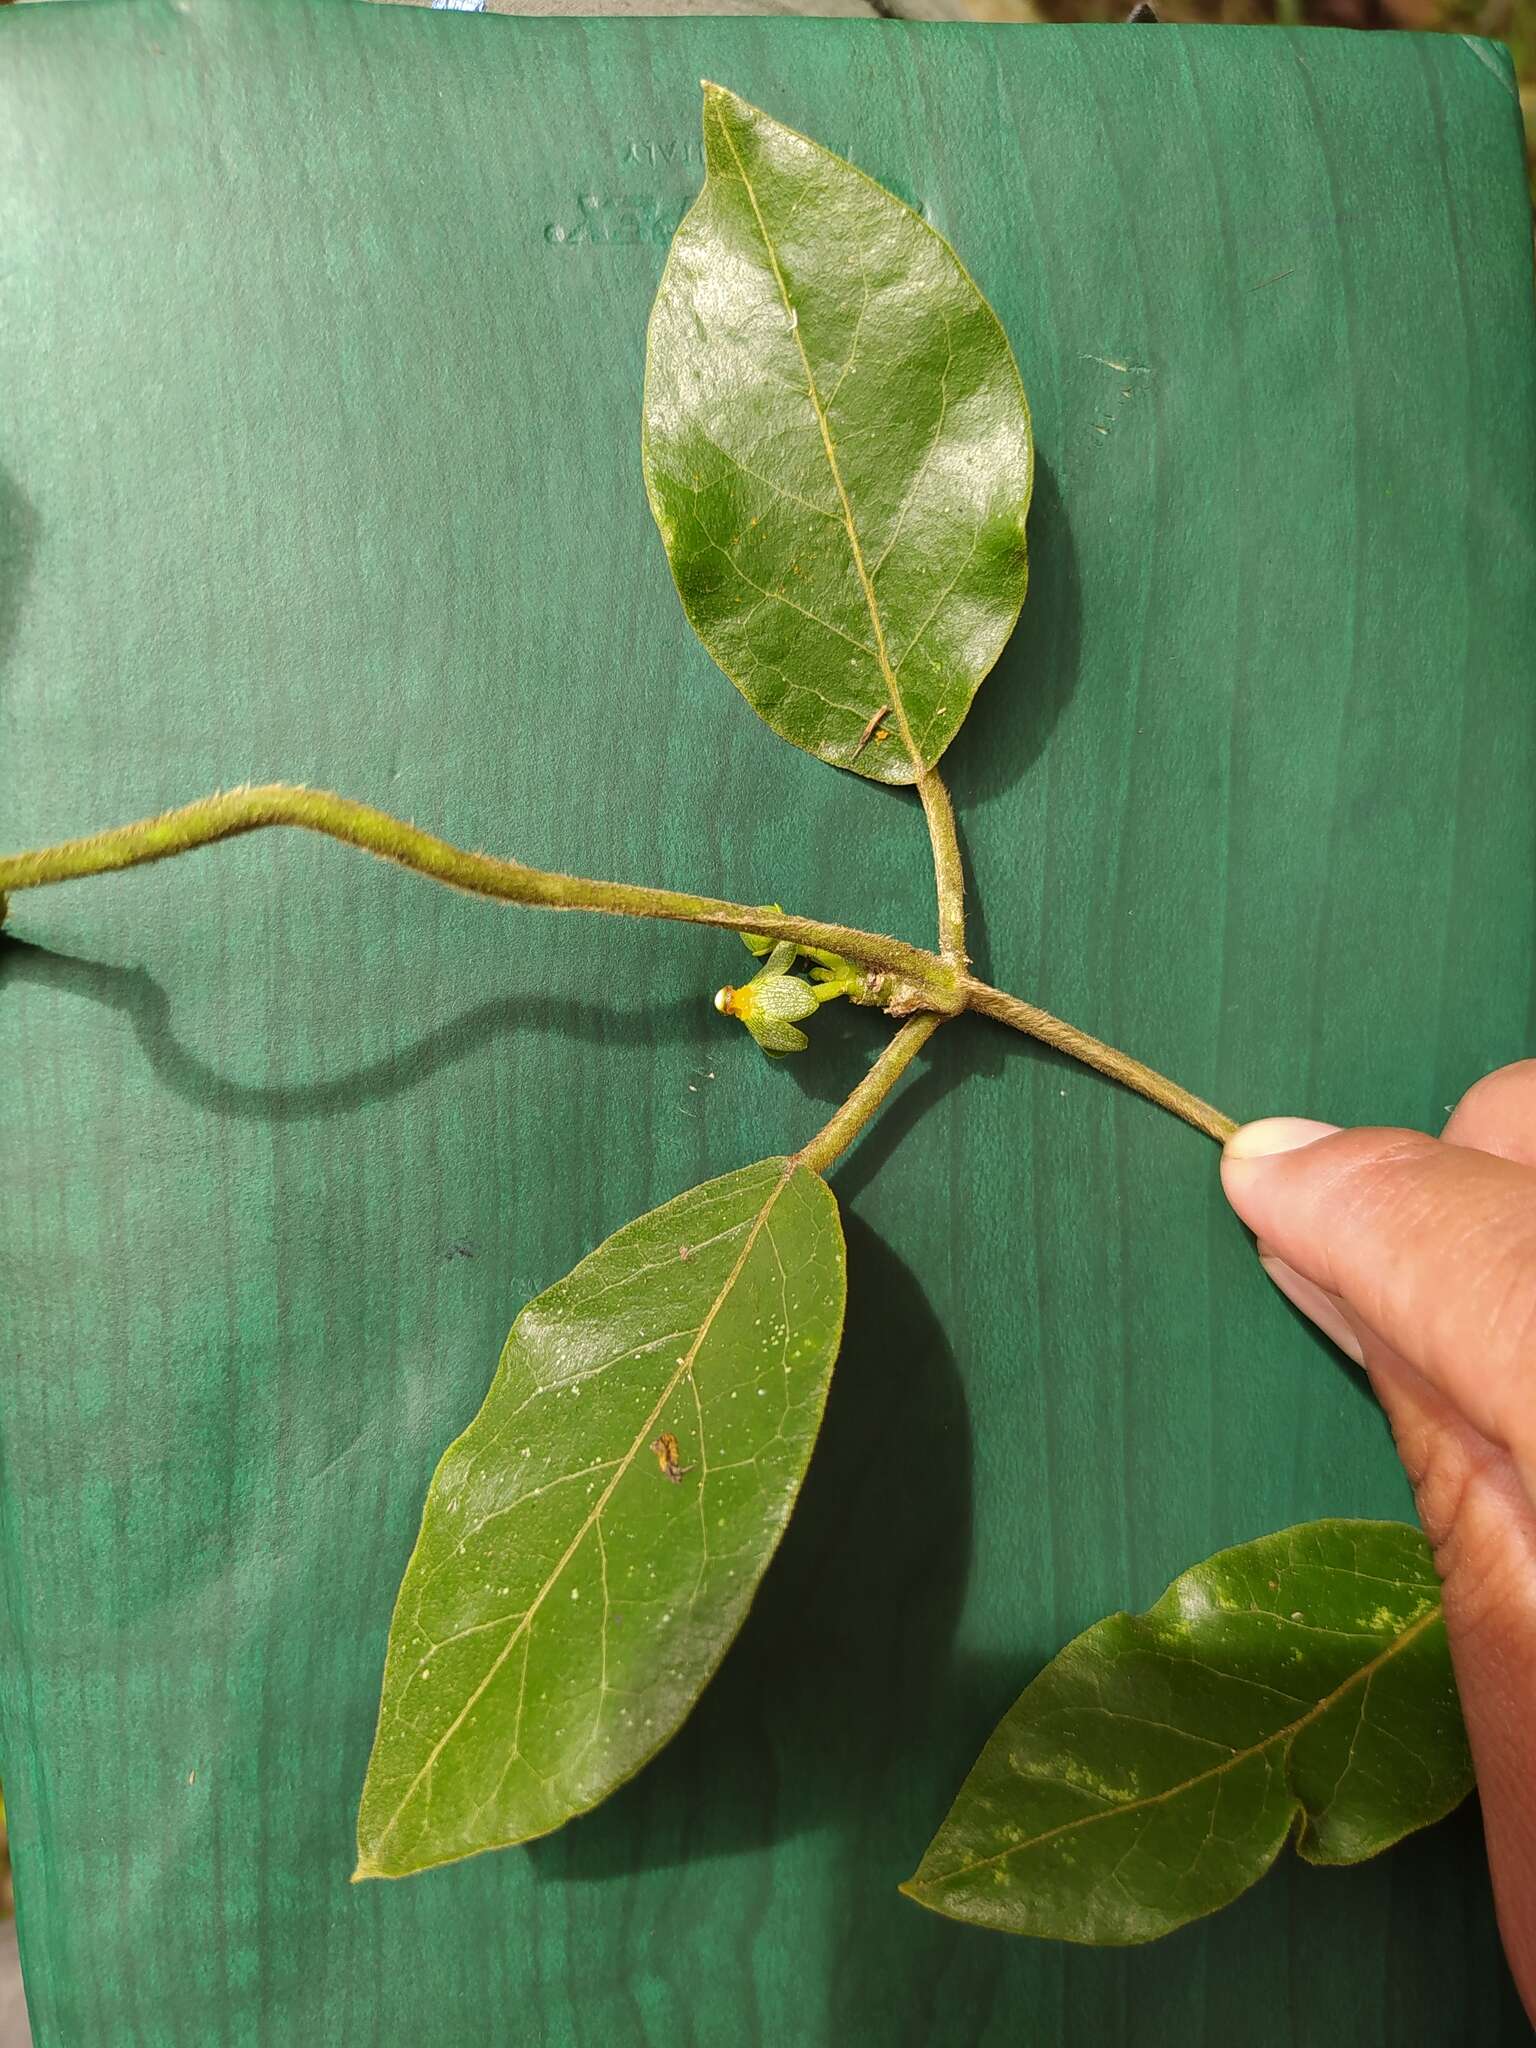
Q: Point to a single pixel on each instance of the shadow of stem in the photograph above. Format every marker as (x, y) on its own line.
(148, 1009)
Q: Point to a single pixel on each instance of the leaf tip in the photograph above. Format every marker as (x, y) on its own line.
(364, 1871)
(713, 90)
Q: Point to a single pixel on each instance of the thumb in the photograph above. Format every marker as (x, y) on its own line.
(1427, 1252)
(1428, 1247)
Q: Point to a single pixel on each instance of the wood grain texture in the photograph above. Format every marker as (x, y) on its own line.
(321, 339)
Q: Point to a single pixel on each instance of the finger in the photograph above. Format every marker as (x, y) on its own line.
(1486, 1556)
(1442, 1453)
(1431, 1247)
(1322, 1309)
(1474, 1501)
(1438, 1446)
(1498, 1114)
(1481, 1524)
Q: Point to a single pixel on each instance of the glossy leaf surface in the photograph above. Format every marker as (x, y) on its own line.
(837, 450)
(1154, 1769)
(592, 1541)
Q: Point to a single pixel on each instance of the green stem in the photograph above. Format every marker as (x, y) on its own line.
(1093, 1052)
(948, 868)
(934, 987)
(840, 1130)
(247, 810)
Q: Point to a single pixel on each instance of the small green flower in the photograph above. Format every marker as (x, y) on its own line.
(772, 1003)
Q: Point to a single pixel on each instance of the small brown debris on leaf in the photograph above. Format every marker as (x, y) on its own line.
(869, 732)
(685, 1251)
(666, 1451)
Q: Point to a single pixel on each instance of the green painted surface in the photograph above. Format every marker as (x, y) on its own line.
(321, 337)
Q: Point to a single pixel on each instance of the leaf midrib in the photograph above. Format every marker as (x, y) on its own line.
(684, 1366)
(829, 446)
(1287, 1734)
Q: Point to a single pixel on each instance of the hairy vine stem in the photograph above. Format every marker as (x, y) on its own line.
(232, 812)
(926, 987)
(1093, 1052)
(844, 1125)
(948, 869)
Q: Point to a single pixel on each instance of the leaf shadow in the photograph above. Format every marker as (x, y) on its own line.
(1019, 703)
(824, 1709)
(141, 999)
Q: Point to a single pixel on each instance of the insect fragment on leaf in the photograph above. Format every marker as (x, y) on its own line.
(667, 1454)
(871, 731)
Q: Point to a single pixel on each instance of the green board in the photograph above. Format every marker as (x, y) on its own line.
(320, 366)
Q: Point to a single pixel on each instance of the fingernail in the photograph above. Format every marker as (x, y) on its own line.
(1315, 1305)
(1272, 1134)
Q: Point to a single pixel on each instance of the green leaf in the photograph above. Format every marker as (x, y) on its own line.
(837, 450)
(1153, 1771)
(578, 1577)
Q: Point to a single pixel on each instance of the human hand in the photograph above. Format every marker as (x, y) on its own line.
(1417, 1256)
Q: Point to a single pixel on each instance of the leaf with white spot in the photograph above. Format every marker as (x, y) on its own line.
(591, 1543)
(837, 450)
(1153, 1771)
